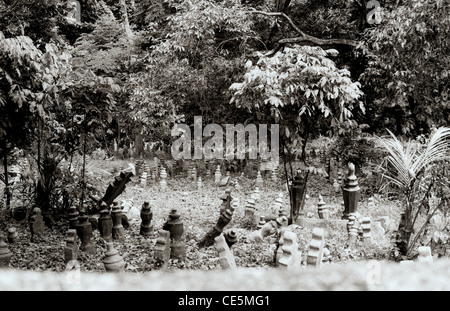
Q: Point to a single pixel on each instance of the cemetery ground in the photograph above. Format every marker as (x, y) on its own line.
(199, 211)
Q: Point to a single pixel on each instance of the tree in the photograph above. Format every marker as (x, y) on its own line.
(407, 69)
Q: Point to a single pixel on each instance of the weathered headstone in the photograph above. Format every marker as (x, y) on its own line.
(336, 186)
(175, 226)
(194, 175)
(261, 222)
(118, 232)
(199, 183)
(282, 212)
(36, 225)
(290, 258)
(351, 192)
(226, 258)
(352, 228)
(322, 209)
(13, 236)
(217, 175)
(339, 177)
(73, 217)
(163, 182)
(143, 179)
(224, 219)
(425, 254)
(365, 225)
(237, 186)
(71, 250)
(256, 194)
(259, 179)
(250, 211)
(146, 217)
(84, 232)
(279, 245)
(315, 252)
(162, 248)
(113, 262)
(328, 168)
(274, 176)
(5, 253)
(105, 225)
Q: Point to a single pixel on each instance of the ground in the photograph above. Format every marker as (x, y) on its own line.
(199, 210)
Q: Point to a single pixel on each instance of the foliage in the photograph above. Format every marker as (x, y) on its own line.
(408, 56)
(355, 146)
(411, 168)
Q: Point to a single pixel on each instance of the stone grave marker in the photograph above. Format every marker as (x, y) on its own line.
(13, 236)
(425, 254)
(163, 182)
(250, 211)
(322, 209)
(259, 179)
(36, 225)
(261, 222)
(291, 257)
(71, 250)
(143, 179)
(84, 232)
(175, 226)
(146, 217)
(73, 217)
(365, 225)
(199, 183)
(105, 225)
(118, 231)
(351, 192)
(226, 258)
(112, 261)
(230, 236)
(315, 252)
(217, 175)
(5, 253)
(162, 248)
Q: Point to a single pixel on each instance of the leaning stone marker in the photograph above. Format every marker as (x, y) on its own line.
(230, 236)
(226, 258)
(315, 252)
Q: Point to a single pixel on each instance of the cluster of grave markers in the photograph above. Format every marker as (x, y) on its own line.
(169, 244)
(158, 173)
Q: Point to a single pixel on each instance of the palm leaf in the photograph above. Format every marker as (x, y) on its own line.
(408, 162)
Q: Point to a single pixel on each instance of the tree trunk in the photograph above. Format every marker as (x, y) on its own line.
(128, 31)
(5, 168)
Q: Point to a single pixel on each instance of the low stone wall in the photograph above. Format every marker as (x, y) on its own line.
(347, 277)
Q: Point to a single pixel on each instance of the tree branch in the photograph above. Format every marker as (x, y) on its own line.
(303, 36)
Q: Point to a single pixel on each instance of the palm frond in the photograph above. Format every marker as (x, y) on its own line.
(408, 161)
